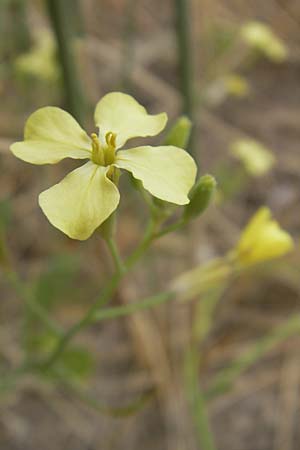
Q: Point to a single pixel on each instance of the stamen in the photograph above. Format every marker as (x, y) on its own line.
(110, 150)
(97, 151)
(111, 139)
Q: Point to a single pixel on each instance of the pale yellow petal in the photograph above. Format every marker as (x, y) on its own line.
(123, 115)
(252, 229)
(81, 202)
(167, 172)
(262, 239)
(51, 135)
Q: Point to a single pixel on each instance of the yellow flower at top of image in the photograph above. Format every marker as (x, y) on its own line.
(260, 36)
(262, 240)
(88, 195)
(255, 157)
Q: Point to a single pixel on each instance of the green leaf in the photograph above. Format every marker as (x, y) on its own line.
(77, 363)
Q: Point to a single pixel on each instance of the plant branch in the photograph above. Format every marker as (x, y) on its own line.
(125, 310)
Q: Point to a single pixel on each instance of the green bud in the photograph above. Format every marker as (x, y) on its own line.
(200, 197)
(179, 134)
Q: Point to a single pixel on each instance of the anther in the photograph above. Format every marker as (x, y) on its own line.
(110, 139)
(97, 152)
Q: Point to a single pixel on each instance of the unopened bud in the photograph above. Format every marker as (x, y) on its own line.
(179, 134)
(200, 197)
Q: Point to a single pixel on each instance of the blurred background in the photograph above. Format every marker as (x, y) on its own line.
(233, 67)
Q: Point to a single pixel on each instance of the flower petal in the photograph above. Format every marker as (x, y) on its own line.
(81, 201)
(262, 239)
(51, 135)
(167, 172)
(123, 115)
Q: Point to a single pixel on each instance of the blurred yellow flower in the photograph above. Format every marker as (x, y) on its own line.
(261, 37)
(236, 85)
(40, 60)
(256, 158)
(88, 195)
(262, 240)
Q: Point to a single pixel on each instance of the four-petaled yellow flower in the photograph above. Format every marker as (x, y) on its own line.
(262, 239)
(88, 195)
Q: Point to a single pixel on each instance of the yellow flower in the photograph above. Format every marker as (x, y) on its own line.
(261, 37)
(40, 61)
(256, 158)
(236, 85)
(88, 195)
(262, 239)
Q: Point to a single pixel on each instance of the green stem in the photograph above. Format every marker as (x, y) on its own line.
(175, 226)
(197, 401)
(128, 50)
(122, 411)
(8, 381)
(31, 303)
(20, 27)
(109, 290)
(59, 15)
(120, 267)
(86, 320)
(183, 26)
(225, 379)
(125, 310)
(143, 246)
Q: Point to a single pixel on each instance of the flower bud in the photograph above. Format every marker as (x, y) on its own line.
(200, 197)
(179, 134)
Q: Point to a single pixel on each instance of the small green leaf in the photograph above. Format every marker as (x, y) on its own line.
(77, 363)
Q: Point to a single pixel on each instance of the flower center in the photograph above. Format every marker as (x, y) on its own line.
(104, 155)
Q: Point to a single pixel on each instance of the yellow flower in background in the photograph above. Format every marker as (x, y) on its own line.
(256, 158)
(262, 240)
(261, 37)
(40, 60)
(88, 195)
(236, 85)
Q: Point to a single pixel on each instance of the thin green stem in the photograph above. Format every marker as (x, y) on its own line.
(125, 310)
(225, 379)
(8, 381)
(108, 291)
(25, 293)
(122, 411)
(185, 58)
(143, 246)
(86, 320)
(169, 229)
(120, 267)
(197, 401)
(21, 38)
(59, 12)
(128, 47)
